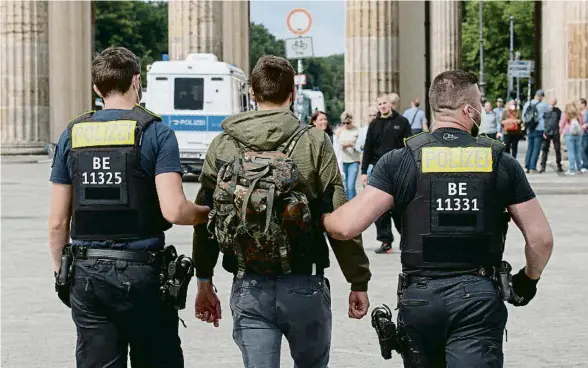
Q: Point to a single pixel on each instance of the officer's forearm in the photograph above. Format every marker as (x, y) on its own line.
(187, 213)
(58, 238)
(537, 252)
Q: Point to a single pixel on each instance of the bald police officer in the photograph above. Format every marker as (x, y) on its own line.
(116, 187)
(451, 196)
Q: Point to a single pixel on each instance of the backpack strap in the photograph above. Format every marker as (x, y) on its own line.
(293, 140)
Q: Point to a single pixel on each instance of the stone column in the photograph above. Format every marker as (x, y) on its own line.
(564, 48)
(24, 77)
(236, 34)
(70, 59)
(445, 36)
(371, 54)
(195, 27)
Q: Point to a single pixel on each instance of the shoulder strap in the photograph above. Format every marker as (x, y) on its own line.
(293, 140)
(83, 117)
(419, 140)
(142, 116)
(414, 117)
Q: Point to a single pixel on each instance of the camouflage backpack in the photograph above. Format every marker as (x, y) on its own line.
(257, 212)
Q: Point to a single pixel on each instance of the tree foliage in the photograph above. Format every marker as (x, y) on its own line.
(326, 74)
(496, 39)
(137, 25)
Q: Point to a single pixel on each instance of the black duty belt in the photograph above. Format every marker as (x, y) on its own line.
(482, 272)
(149, 258)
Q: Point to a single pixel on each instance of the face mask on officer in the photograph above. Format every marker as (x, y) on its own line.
(138, 89)
(476, 125)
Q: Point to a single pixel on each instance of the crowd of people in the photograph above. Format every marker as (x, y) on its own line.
(543, 124)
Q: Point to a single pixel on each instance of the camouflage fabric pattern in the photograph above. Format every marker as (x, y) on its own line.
(257, 212)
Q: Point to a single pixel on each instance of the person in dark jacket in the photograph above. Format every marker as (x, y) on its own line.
(551, 134)
(386, 133)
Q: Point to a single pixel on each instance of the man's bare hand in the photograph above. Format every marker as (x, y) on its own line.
(359, 304)
(201, 214)
(207, 306)
(364, 179)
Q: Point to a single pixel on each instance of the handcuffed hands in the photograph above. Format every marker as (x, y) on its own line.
(207, 307)
(524, 288)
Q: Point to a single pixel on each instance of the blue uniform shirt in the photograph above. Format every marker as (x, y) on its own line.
(159, 154)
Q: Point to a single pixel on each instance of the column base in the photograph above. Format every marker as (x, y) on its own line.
(23, 148)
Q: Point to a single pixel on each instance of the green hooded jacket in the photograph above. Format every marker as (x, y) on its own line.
(315, 158)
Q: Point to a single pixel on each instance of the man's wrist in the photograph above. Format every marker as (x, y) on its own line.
(532, 276)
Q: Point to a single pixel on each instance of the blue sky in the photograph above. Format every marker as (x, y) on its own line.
(328, 22)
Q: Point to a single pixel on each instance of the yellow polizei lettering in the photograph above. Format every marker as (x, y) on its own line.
(456, 159)
(107, 133)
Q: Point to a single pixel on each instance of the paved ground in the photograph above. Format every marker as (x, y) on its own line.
(37, 330)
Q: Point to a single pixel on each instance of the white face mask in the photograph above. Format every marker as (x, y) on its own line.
(512, 107)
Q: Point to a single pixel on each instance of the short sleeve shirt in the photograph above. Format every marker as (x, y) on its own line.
(159, 154)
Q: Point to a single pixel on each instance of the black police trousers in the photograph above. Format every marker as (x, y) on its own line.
(117, 305)
(453, 322)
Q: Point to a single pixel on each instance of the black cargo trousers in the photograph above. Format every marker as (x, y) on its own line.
(452, 322)
(116, 304)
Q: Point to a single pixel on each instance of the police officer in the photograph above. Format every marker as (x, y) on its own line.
(116, 187)
(451, 195)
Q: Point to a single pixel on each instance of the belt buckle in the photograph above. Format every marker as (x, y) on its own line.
(151, 258)
(80, 252)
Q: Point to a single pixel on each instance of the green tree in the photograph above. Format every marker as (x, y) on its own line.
(262, 42)
(144, 33)
(496, 40)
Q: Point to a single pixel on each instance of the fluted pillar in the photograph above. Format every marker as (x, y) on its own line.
(564, 47)
(235, 24)
(371, 53)
(195, 27)
(445, 36)
(70, 81)
(24, 76)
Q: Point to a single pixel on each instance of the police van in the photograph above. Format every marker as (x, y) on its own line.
(193, 97)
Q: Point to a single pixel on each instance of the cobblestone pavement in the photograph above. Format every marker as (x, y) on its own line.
(37, 330)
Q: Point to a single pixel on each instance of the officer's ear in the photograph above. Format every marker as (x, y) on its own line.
(251, 94)
(97, 91)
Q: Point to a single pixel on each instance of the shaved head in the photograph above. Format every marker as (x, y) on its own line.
(452, 90)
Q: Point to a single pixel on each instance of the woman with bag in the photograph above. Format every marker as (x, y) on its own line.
(511, 128)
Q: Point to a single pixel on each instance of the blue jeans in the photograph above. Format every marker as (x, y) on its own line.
(585, 150)
(574, 143)
(295, 306)
(453, 322)
(117, 304)
(534, 140)
(351, 169)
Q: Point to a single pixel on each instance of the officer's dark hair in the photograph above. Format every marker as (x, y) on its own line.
(272, 79)
(452, 89)
(113, 70)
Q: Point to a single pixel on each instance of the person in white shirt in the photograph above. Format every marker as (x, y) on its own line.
(347, 136)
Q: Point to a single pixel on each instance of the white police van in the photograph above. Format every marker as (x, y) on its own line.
(193, 97)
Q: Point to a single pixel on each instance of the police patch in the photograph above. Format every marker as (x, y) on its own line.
(456, 159)
(107, 133)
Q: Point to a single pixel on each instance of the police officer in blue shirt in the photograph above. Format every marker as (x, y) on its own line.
(116, 187)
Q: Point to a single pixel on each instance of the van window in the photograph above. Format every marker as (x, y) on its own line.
(189, 94)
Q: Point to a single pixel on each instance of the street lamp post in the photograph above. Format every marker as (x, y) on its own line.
(481, 83)
(511, 79)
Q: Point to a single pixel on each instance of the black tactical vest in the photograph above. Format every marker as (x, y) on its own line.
(455, 220)
(113, 197)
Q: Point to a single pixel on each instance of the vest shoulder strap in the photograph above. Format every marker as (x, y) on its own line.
(142, 116)
(78, 119)
(417, 141)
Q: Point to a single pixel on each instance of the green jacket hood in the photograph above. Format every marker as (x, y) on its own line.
(262, 130)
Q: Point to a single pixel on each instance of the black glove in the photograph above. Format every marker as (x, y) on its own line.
(524, 289)
(62, 292)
